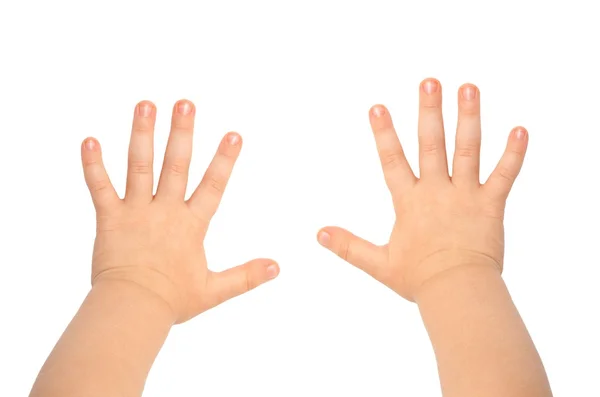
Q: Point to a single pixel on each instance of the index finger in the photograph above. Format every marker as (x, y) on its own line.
(206, 198)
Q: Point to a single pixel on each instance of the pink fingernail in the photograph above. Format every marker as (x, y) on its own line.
(469, 92)
(520, 133)
(144, 109)
(378, 111)
(324, 238)
(272, 271)
(184, 107)
(90, 144)
(430, 86)
(233, 139)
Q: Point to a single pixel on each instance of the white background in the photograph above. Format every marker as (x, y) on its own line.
(296, 79)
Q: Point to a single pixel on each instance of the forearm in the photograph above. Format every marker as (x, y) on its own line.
(480, 341)
(109, 346)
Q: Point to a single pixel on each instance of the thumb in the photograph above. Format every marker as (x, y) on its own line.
(238, 280)
(366, 256)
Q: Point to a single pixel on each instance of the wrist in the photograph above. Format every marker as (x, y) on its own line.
(154, 284)
(461, 275)
(136, 297)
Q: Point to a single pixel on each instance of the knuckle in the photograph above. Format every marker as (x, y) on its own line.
(182, 125)
(470, 110)
(227, 153)
(142, 126)
(494, 210)
(140, 167)
(506, 174)
(384, 130)
(201, 218)
(467, 150)
(177, 168)
(344, 250)
(99, 186)
(431, 106)
(391, 159)
(518, 154)
(90, 162)
(215, 184)
(249, 284)
(182, 128)
(429, 148)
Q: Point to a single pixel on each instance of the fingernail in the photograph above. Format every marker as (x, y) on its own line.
(272, 271)
(144, 109)
(184, 107)
(324, 238)
(90, 144)
(378, 111)
(469, 92)
(233, 139)
(520, 133)
(430, 86)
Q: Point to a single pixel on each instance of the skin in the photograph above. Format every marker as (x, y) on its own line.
(149, 269)
(445, 253)
(446, 250)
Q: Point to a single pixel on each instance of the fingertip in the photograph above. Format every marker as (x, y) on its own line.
(324, 237)
(380, 118)
(90, 144)
(468, 92)
(230, 146)
(184, 107)
(233, 138)
(272, 270)
(145, 108)
(518, 140)
(378, 111)
(520, 133)
(430, 86)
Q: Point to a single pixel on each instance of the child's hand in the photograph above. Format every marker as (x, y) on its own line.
(442, 222)
(156, 241)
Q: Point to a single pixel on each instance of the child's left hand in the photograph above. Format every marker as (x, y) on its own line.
(156, 241)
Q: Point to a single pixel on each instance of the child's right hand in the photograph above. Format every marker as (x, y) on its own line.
(442, 222)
